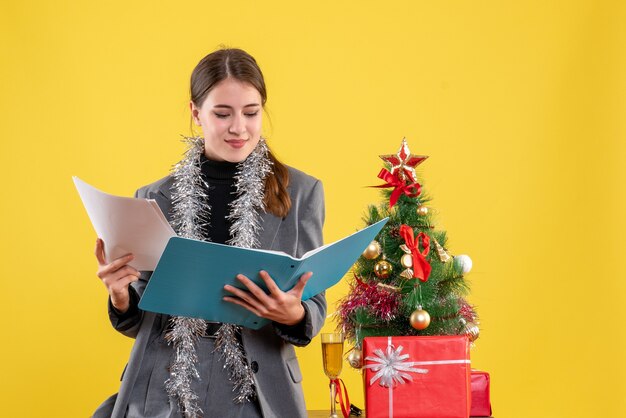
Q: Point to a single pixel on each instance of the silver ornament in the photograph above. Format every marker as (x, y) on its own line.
(463, 263)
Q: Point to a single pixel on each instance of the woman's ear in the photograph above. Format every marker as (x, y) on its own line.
(194, 113)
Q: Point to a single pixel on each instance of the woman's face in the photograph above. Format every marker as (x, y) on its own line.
(230, 118)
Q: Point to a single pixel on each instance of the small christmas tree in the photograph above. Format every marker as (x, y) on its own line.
(406, 282)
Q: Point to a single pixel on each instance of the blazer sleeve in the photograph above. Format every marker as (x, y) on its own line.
(310, 224)
(128, 323)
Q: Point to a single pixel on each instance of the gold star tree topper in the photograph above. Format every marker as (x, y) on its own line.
(403, 163)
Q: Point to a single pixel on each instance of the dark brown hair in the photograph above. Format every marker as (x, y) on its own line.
(238, 64)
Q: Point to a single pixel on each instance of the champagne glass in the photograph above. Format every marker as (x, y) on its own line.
(332, 354)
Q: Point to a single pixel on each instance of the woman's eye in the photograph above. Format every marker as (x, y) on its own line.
(221, 115)
(251, 114)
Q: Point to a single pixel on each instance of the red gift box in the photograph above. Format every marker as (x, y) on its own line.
(417, 377)
(481, 403)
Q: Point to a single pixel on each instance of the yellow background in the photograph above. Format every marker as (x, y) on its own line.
(519, 104)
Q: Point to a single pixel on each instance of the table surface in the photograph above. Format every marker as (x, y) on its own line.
(325, 413)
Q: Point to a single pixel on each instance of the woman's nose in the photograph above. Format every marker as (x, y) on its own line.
(238, 126)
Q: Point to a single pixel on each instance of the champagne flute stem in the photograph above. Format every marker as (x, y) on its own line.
(333, 394)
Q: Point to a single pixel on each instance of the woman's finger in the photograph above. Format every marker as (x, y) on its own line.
(115, 265)
(243, 303)
(123, 283)
(100, 251)
(298, 289)
(121, 273)
(131, 278)
(270, 283)
(245, 296)
(255, 290)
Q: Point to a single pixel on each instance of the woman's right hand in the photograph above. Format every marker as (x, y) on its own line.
(116, 276)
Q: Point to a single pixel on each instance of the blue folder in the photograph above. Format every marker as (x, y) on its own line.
(190, 276)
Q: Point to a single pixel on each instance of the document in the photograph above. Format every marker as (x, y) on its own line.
(127, 225)
(190, 276)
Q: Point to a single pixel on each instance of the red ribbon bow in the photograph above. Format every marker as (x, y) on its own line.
(421, 267)
(345, 406)
(399, 187)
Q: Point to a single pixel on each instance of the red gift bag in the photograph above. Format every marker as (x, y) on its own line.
(417, 377)
(481, 402)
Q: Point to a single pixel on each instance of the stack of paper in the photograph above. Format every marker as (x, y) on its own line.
(127, 225)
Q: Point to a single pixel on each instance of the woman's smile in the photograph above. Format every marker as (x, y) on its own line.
(236, 143)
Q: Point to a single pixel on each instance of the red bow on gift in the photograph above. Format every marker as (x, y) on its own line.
(399, 186)
(421, 267)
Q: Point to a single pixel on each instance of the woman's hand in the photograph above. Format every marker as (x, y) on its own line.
(116, 276)
(282, 307)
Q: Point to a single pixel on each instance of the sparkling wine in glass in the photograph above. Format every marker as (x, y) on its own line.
(332, 355)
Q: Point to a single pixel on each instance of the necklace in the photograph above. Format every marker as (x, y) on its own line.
(191, 213)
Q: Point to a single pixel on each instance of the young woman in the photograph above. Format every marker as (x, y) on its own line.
(229, 188)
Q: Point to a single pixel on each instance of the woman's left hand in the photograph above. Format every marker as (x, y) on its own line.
(282, 307)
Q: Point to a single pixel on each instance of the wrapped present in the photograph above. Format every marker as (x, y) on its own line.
(417, 377)
(481, 402)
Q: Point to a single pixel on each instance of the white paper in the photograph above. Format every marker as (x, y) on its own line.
(127, 225)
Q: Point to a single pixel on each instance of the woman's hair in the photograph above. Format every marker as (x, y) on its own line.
(238, 64)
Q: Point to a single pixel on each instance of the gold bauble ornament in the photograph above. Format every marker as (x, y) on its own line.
(383, 269)
(355, 358)
(471, 330)
(422, 210)
(407, 261)
(420, 319)
(372, 251)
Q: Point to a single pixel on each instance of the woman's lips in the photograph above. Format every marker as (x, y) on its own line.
(236, 143)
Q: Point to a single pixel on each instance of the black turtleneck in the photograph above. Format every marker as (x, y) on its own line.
(220, 176)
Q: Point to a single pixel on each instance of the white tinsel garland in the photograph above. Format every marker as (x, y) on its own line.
(190, 217)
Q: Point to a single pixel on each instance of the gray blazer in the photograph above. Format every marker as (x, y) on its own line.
(278, 375)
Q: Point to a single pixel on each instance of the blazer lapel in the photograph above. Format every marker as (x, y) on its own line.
(270, 224)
